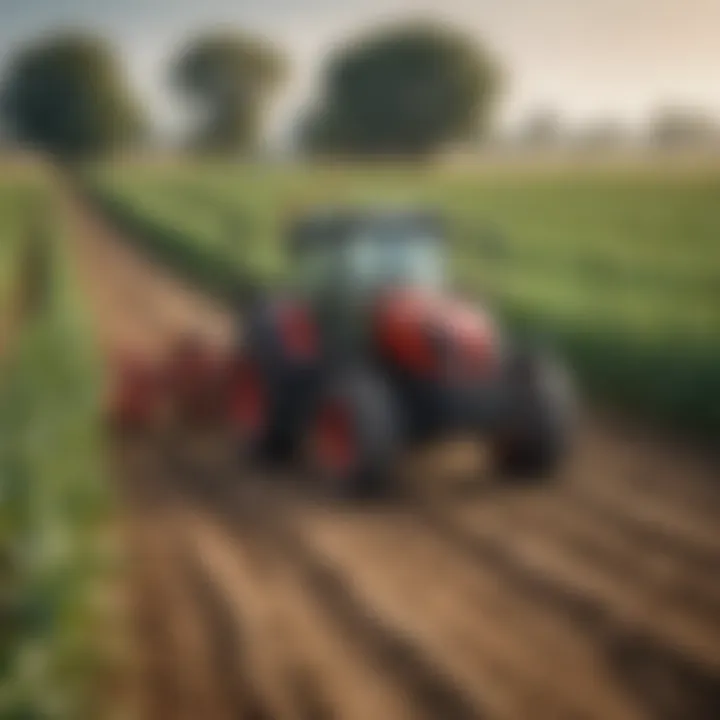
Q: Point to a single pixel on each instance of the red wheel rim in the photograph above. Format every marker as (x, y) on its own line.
(248, 400)
(334, 440)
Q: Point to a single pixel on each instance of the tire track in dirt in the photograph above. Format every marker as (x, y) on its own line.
(552, 519)
(307, 543)
(679, 655)
(387, 657)
(339, 583)
(656, 464)
(667, 494)
(306, 653)
(459, 618)
(666, 576)
(596, 598)
(670, 676)
(676, 533)
(178, 644)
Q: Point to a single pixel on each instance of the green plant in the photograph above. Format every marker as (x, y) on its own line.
(54, 504)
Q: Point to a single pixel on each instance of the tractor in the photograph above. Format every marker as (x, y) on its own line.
(367, 353)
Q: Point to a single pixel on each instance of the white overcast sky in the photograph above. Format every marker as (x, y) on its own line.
(585, 58)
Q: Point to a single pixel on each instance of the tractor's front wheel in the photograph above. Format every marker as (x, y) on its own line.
(252, 411)
(353, 436)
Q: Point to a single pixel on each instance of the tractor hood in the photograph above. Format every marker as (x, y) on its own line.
(430, 334)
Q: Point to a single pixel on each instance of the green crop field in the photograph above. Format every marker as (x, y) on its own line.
(53, 498)
(620, 268)
(15, 195)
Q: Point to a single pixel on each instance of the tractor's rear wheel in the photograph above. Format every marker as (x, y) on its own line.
(539, 411)
(353, 436)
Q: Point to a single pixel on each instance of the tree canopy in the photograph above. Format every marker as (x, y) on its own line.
(404, 90)
(683, 127)
(229, 77)
(66, 95)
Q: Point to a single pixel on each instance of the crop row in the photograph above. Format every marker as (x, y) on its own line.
(55, 563)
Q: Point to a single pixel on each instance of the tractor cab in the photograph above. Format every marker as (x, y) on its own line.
(353, 256)
(343, 262)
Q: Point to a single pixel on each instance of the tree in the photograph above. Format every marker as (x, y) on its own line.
(403, 90)
(683, 128)
(230, 78)
(66, 95)
(542, 129)
(603, 135)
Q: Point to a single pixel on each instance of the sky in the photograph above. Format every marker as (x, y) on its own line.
(585, 59)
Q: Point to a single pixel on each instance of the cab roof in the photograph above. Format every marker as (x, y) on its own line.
(330, 225)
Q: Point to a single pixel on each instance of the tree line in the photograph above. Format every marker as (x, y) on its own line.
(405, 90)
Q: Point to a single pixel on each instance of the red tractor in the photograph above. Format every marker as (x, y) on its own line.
(367, 354)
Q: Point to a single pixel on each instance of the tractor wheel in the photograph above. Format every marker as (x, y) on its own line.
(269, 382)
(353, 436)
(251, 409)
(538, 418)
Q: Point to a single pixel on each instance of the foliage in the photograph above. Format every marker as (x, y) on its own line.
(53, 507)
(683, 127)
(542, 129)
(229, 77)
(66, 95)
(405, 90)
(12, 211)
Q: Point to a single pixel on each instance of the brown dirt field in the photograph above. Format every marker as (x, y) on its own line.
(595, 597)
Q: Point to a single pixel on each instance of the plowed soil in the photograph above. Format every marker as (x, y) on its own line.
(597, 596)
